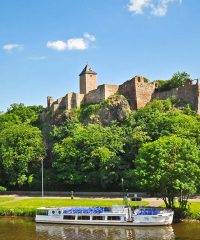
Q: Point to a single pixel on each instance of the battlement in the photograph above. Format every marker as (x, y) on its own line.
(137, 91)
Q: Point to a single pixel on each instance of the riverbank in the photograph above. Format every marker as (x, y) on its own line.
(14, 205)
(26, 206)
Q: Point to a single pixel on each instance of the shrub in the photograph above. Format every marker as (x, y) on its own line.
(2, 189)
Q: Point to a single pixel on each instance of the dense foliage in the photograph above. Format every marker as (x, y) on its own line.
(178, 79)
(21, 145)
(155, 149)
(170, 167)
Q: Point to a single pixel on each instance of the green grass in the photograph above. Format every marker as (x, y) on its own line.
(5, 199)
(195, 206)
(194, 212)
(48, 202)
(27, 207)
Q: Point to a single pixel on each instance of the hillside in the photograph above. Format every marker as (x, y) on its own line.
(91, 148)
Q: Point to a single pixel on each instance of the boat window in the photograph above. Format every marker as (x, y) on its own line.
(98, 218)
(83, 217)
(69, 217)
(114, 218)
(42, 212)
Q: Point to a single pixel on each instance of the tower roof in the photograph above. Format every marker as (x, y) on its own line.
(87, 70)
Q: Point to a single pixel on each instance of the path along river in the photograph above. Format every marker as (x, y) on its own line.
(18, 228)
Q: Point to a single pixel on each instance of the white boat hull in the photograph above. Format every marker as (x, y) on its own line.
(115, 217)
(106, 223)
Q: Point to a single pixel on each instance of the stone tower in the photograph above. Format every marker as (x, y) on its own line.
(88, 80)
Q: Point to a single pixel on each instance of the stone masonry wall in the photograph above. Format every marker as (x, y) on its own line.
(137, 91)
(189, 93)
(110, 90)
(172, 93)
(127, 89)
(143, 92)
(95, 96)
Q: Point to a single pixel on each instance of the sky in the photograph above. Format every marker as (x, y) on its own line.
(45, 44)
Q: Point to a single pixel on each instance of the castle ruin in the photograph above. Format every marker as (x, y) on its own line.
(137, 91)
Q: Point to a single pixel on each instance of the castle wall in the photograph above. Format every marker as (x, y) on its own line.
(143, 91)
(127, 89)
(189, 93)
(79, 99)
(137, 91)
(110, 90)
(49, 102)
(74, 100)
(95, 96)
(172, 93)
(54, 108)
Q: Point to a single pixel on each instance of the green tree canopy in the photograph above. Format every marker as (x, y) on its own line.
(169, 166)
(177, 80)
(160, 118)
(21, 147)
(92, 155)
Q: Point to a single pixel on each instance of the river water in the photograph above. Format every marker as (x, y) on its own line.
(25, 229)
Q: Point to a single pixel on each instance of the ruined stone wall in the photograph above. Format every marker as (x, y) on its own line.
(49, 102)
(74, 100)
(143, 91)
(189, 93)
(127, 89)
(110, 90)
(137, 91)
(54, 107)
(95, 96)
(172, 93)
(79, 99)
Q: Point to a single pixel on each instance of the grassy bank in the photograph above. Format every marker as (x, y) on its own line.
(194, 211)
(27, 207)
(6, 199)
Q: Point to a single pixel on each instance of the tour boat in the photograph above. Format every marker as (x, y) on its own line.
(116, 215)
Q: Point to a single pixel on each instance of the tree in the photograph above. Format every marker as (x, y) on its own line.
(177, 80)
(169, 166)
(161, 118)
(28, 114)
(21, 148)
(91, 155)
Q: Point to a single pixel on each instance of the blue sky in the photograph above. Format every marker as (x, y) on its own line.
(45, 44)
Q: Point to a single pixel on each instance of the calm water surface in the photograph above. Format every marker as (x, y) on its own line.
(25, 229)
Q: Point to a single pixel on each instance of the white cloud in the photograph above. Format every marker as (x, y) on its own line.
(156, 7)
(82, 43)
(90, 37)
(137, 6)
(10, 47)
(77, 44)
(57, 45)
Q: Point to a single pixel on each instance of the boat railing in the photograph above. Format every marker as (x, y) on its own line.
(151, 211)
(86, 210)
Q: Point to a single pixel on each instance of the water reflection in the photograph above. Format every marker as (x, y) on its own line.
(62, 232)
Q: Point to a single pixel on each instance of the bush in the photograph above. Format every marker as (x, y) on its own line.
(2, 189)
